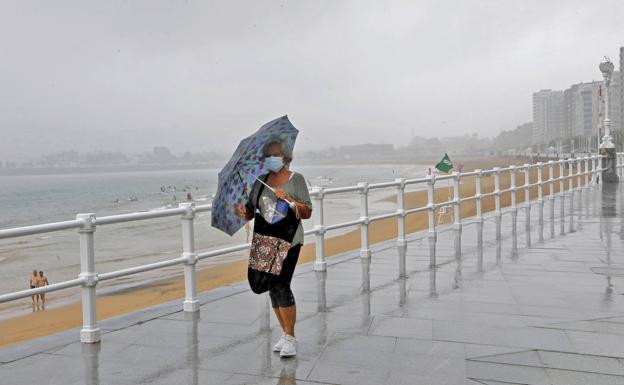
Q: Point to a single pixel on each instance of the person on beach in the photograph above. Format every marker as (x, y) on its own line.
(34, 278)
(42, 281)
(291, 187)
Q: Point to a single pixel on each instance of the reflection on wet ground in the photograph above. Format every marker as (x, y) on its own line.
(513, 312)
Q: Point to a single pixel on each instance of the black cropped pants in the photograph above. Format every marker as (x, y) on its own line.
(280, 293)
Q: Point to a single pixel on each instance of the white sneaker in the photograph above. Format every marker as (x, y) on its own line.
(289, 348)
(278, 346)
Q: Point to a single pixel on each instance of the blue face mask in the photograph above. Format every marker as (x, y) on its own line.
(274, 163)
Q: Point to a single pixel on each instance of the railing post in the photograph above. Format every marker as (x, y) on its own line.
(191, 303)
(514, 211)
(365, 251)
(579, 185)
(586, 171)
(457, 212)
(561, 197)
(586, 183)
(527, 203)
(432, 235)
(497, 202)
(433, 293)
(540, 200)
(591, 169)
(265, 313)
(594, 170)
(609, 172)
(598, 182)
(479, 218)
(401, 241)
(319, 229)
(588, 174)
(321, 291)
(90, 332)
(551, 196)
(571, 191)
(579, 174)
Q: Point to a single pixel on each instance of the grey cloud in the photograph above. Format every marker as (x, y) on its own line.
(200, 75)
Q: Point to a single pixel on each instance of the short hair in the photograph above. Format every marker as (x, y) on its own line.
(286, 152)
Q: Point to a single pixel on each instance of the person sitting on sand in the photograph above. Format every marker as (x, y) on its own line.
(34, 278)
(42, 281)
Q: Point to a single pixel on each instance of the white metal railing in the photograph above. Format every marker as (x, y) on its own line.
(87, 223)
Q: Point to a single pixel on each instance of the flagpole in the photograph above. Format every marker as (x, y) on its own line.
(448, 183)
(446, 165)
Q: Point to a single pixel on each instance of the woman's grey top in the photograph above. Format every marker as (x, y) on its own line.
(295, 187)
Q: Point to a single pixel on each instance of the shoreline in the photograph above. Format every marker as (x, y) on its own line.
(95, 169)
(56, 319)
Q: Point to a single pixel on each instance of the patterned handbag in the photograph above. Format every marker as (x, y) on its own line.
(268, 253)
(269, 247)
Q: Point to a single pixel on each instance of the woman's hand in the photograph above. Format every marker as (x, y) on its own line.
(280, 194)
(241, 211)
(302, 210)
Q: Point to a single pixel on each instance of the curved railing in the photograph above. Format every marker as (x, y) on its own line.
(587, 173)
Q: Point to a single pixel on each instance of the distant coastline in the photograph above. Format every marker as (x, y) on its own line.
(18, 171)
(101, 169)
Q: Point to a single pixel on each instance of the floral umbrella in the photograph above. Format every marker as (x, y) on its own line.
(239, 174)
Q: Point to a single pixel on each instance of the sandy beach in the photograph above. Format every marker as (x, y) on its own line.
(63, 317)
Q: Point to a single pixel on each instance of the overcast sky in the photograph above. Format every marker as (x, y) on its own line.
(201, 75)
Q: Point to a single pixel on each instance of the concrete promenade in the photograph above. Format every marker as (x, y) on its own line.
(550, 313)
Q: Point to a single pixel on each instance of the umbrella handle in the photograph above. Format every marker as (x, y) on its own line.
(267, 186)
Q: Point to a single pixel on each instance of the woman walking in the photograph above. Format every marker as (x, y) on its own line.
(266, 204)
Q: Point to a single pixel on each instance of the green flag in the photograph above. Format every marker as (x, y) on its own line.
(445, 164)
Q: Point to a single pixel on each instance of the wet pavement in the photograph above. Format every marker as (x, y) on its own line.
(551, 313)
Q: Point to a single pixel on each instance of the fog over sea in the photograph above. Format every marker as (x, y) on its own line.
(34, 199)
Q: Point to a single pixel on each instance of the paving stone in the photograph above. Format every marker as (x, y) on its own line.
(430, 348)
(401, 327)
(506, 373)
(597, 343)
(568, 377)
(340, 373)
(526, 358)
(582, 362)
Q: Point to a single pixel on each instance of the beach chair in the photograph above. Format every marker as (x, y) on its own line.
(444, 211)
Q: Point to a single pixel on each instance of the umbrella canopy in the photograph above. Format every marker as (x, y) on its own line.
(239, 174)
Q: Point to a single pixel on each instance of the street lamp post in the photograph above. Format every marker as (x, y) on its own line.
(606, 67)
(609, 174)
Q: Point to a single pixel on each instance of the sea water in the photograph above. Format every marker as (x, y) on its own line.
(35, 199)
